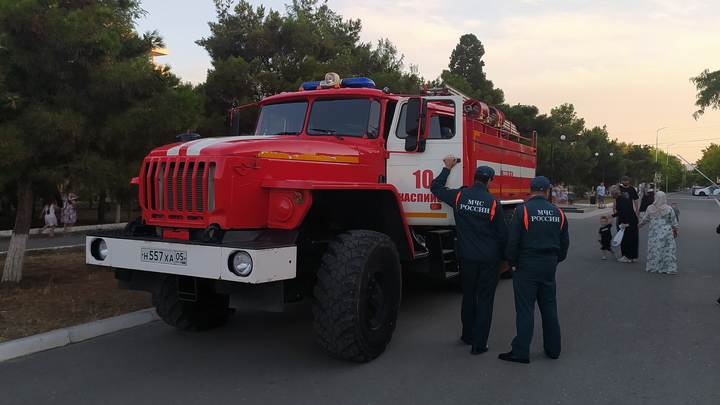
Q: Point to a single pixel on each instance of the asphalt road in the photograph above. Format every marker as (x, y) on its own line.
(629, 337)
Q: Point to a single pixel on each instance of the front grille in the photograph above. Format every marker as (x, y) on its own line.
(178, 185)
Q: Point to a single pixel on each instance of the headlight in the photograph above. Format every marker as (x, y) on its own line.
(99, 249)
(240, 263)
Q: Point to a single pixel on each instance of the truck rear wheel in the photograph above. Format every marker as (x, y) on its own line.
(208, 311)
(357, 295)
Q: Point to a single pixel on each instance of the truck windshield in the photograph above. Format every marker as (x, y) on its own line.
(354, 117)
(282, 119)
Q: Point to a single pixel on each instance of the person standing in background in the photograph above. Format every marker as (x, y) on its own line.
(677, 211)
(628, 192)
(661, 249)
(605, 236)
(68, 214)
(600, 195)
(628, 220)
(648, 197)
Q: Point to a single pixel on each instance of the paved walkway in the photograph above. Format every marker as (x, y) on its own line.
(38, 242)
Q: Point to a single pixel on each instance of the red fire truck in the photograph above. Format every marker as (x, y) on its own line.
(328, 199)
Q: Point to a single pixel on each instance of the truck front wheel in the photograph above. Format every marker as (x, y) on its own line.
(207, 311)
(357, 295)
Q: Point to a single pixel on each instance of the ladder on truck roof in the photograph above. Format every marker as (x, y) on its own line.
(445, 90)
(448, 90)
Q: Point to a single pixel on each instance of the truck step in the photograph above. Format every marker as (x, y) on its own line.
(451, 274)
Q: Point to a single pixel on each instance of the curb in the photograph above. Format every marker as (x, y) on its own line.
(4, 252)
(63, 337)
(34, 231)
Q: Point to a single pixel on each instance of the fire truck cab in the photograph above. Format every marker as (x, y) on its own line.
(329, 198)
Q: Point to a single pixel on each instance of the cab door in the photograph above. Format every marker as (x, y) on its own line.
(412, 172)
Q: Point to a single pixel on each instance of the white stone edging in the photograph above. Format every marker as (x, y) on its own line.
(102, 227)
(62, 337)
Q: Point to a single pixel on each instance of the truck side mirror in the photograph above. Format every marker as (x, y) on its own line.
(190, 135)
(415, 125)
(234, 123)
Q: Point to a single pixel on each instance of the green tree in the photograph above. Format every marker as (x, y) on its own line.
(709, 164)
(257, 53)
(708, 87)
(84, 101)
(639, 162)
(559, 144)
(602, 161)
(672, 170)
(466, 64)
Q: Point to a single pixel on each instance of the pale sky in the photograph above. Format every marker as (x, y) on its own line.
(623, 64)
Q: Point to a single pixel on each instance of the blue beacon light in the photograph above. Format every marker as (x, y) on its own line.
(332, 80)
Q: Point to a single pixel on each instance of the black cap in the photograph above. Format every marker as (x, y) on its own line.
(540, 183)
(623, 178)
(487, 171)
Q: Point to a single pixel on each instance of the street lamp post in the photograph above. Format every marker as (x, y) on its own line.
(597, 154)
(552, 161)
(667, 166)
(657, 135)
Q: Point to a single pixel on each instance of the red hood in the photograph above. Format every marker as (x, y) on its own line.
(252, 145)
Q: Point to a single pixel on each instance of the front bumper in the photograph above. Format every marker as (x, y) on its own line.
(271, 261)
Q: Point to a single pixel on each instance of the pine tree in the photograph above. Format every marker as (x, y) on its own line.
(78, 94)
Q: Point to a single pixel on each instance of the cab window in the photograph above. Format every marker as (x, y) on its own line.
(441, 127)
(356, 117)
(281, 119)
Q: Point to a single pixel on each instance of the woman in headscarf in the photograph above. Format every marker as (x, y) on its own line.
(628, 220)
(661, 257)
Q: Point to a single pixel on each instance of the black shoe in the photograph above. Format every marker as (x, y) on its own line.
(718, 301)
(551, 356)
(466, 340)
(475, 351)
(510, 356)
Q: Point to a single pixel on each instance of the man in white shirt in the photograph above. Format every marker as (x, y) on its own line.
(600, 194)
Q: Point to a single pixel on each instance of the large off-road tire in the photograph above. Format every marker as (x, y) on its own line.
(357, 295)
(209, 311)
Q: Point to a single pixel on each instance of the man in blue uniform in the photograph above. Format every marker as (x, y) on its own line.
(482, 234)
(538, 241)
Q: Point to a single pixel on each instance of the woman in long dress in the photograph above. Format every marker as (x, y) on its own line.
(625, 213)
(661, 252)
(68, 214)
(648, 197)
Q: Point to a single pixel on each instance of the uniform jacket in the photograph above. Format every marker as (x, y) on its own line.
(481, 229)
(538, 235)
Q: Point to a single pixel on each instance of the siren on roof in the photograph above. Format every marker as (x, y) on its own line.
(333, 81)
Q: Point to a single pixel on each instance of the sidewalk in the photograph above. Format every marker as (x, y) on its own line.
(62, 337)
(39, 242)
(582, 211)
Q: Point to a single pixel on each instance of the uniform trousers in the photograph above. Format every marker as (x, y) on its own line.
(535, 284)
(478, 280)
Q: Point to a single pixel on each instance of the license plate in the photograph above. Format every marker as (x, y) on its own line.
(175, 257)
